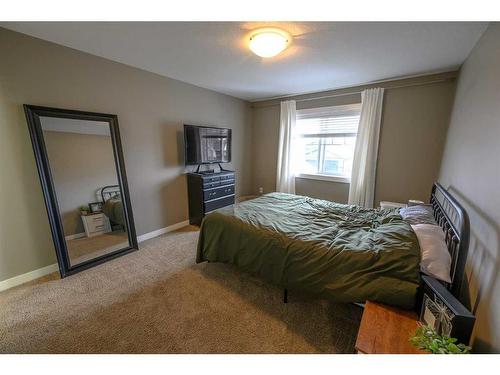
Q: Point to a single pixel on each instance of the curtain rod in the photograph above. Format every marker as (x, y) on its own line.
(278, 100)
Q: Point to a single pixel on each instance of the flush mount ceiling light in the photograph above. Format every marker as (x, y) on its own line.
(269, 42)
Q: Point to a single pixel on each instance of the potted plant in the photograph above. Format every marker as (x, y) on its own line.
(428, 339)
(84, 210)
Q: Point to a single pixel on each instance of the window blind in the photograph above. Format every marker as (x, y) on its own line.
(328, 121)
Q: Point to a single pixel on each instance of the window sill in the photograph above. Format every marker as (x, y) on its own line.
(322, 177)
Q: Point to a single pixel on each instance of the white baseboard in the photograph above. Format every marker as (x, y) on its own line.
(25, 277)
(159, 232)
(29, 276)
(75, 236)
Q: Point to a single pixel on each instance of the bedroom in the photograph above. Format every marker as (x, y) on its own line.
(433, 80)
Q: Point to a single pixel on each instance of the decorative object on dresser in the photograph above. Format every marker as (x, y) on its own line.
(95, 224)
(209, 191)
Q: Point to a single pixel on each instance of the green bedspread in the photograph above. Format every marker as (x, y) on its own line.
(113, 209)
(342, 252)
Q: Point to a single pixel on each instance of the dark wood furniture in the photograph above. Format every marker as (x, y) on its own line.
(208, 192)
(386, 330)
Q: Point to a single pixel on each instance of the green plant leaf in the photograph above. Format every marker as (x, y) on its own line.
(427, 338)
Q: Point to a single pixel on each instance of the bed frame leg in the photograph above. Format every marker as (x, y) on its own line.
(285, 295)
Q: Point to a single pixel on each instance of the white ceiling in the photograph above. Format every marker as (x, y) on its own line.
(322, 56)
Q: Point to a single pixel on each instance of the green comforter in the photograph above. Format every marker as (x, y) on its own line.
(342, 252)
(113, 209)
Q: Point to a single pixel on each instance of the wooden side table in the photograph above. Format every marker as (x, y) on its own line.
(386, 330)
(96, 224)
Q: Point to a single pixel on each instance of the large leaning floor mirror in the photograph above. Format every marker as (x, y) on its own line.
(80, 163)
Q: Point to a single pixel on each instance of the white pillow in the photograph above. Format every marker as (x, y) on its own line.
(436, 260)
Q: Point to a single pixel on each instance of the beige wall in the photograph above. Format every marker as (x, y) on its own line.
(151, 110)
(414, 124)
(413, 130)
(80, 164)
(471, 171)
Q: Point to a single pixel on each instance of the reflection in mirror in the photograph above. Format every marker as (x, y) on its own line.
(85, 178)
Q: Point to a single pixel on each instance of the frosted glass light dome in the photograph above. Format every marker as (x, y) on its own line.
(269, 42)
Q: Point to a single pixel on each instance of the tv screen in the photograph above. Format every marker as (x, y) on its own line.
(205, 145)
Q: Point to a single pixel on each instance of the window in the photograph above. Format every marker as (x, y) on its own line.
(325, 141)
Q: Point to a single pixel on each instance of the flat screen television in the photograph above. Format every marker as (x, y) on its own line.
(206, 145)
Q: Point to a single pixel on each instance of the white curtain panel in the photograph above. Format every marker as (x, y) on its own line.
(362, 189)
(285, 178)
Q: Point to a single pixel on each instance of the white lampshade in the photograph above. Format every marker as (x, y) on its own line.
(268, 42)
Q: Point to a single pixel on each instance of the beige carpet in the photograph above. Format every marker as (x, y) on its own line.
(157, 300)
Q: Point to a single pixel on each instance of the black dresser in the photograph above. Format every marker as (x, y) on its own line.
(208, 192)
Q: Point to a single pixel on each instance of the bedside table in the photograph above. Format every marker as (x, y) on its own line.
(96, 224)
(386, 330)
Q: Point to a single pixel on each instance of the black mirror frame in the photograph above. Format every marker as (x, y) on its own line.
(33, 114)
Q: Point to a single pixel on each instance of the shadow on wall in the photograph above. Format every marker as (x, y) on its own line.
(172, 144)
(176, 157)
(173, 187)
(181, 157)
(175, 202)
(482, 269)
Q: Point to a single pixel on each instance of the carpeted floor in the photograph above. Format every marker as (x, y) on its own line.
(157, 300)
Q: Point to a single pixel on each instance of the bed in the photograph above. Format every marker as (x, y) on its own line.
(341, 252)
(113, 204)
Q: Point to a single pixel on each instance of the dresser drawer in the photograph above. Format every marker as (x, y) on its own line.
(210, 184)
(218, 203)
(229, 181)
(227, 177)
(96, 224)
(209, 191)
(213, 181)
(218, 192)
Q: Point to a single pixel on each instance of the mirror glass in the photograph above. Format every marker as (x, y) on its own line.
(84, 174)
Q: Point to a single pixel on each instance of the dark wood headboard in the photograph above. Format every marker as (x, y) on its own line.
(453, 218)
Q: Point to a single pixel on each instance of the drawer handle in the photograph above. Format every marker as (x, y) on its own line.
(97, 227)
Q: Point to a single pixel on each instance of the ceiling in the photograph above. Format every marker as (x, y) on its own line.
(322, 56)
